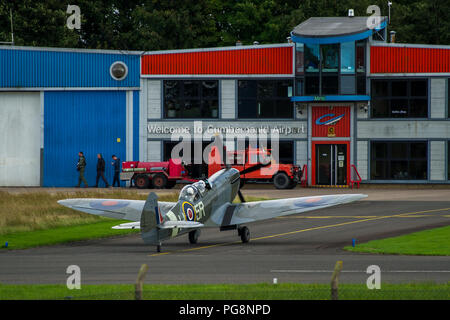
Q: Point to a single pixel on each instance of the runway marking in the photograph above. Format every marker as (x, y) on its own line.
(360, 271)
(303, 230)
(357, 217)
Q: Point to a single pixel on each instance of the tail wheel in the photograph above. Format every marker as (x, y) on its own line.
(159, 181)
(193, 236)
(281, 180)
(141, 181)
(245, 234)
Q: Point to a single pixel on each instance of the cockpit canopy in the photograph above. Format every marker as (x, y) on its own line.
(193, 192)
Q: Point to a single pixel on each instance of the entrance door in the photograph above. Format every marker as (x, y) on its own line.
(331, 166)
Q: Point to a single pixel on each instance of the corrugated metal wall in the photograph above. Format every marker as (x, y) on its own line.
(85, 121)
(341, 128)
(273, 60)
(391, 59)
(34, 68)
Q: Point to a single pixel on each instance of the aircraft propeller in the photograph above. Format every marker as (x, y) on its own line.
(249, 170)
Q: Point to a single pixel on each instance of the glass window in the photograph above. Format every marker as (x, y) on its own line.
(399, 98)
(312, 85)
(398, 160)
(330, 84)
(298, 87)
(299, 58)
(191, 99)
(330, 57)
(312, 60)
(348, 57)
(361, 85)
(361, 56)
(265, 99)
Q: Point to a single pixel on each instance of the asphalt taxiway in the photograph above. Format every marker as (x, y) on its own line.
(300, 248)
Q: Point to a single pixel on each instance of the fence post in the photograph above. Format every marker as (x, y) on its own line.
(139, 282)
(335, 280)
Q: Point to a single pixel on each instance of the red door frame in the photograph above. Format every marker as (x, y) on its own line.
(313, 158)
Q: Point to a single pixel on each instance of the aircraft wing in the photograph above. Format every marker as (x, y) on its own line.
(113, 208)
(235, 214)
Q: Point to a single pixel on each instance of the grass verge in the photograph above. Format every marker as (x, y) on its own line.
(36, 219)
(58, 235)
(434, 242)
(262, 291)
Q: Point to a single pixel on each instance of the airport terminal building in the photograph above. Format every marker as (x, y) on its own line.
(343, 98)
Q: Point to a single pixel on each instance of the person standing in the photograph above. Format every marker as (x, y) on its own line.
(116, 165)
(100, 170)
(81, 165)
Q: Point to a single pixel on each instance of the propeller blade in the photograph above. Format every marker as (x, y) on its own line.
(254, 168)
(241, 197)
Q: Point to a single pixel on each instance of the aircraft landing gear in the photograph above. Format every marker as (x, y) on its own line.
(193, 236)
(244, 233)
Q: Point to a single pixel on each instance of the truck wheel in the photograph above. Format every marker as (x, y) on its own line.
(141, 181)
(159, 181)
(293, 184)
(281, 180)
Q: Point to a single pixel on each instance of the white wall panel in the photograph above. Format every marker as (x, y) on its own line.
(437, 160)
(228, 99)
(301, 152)
(154, 99)
(154, 151)
(403, 129)
(362, 162)
(20, 122)
(438, 98)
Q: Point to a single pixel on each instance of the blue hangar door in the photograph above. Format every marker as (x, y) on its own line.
(89, 121)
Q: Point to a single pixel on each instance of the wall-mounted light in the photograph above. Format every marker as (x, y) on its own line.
(300, 107)
(363, 106)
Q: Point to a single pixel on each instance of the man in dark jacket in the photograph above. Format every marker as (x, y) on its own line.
(101, 171)
(116, 165)
(81, 165)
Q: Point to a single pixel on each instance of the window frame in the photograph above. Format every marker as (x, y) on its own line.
(182, 98)
(389, 98)
(388, 159)
(273, 98)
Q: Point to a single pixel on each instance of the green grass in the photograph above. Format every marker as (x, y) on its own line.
(262, 291)
(36, 219)
(94, 230)
(434, 242)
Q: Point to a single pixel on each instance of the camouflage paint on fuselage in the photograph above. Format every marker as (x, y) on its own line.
(224, 186)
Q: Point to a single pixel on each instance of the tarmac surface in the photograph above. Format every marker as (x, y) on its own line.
(302, 248)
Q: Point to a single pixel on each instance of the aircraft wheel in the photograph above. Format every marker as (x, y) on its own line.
(193, 236)
(245, 234)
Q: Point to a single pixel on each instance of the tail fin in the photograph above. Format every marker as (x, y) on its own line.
(150, 219)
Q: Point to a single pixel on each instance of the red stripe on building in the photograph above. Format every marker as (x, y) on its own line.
(273, 60)
(409, 60)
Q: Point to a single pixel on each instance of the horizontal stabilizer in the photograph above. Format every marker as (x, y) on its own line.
(129, 225)
(180, 224)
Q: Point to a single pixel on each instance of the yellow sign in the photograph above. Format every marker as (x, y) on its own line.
(331, 132)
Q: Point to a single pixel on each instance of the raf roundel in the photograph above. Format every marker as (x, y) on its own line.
(189, 211)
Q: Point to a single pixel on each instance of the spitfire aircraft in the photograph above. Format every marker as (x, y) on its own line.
(203, 204)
